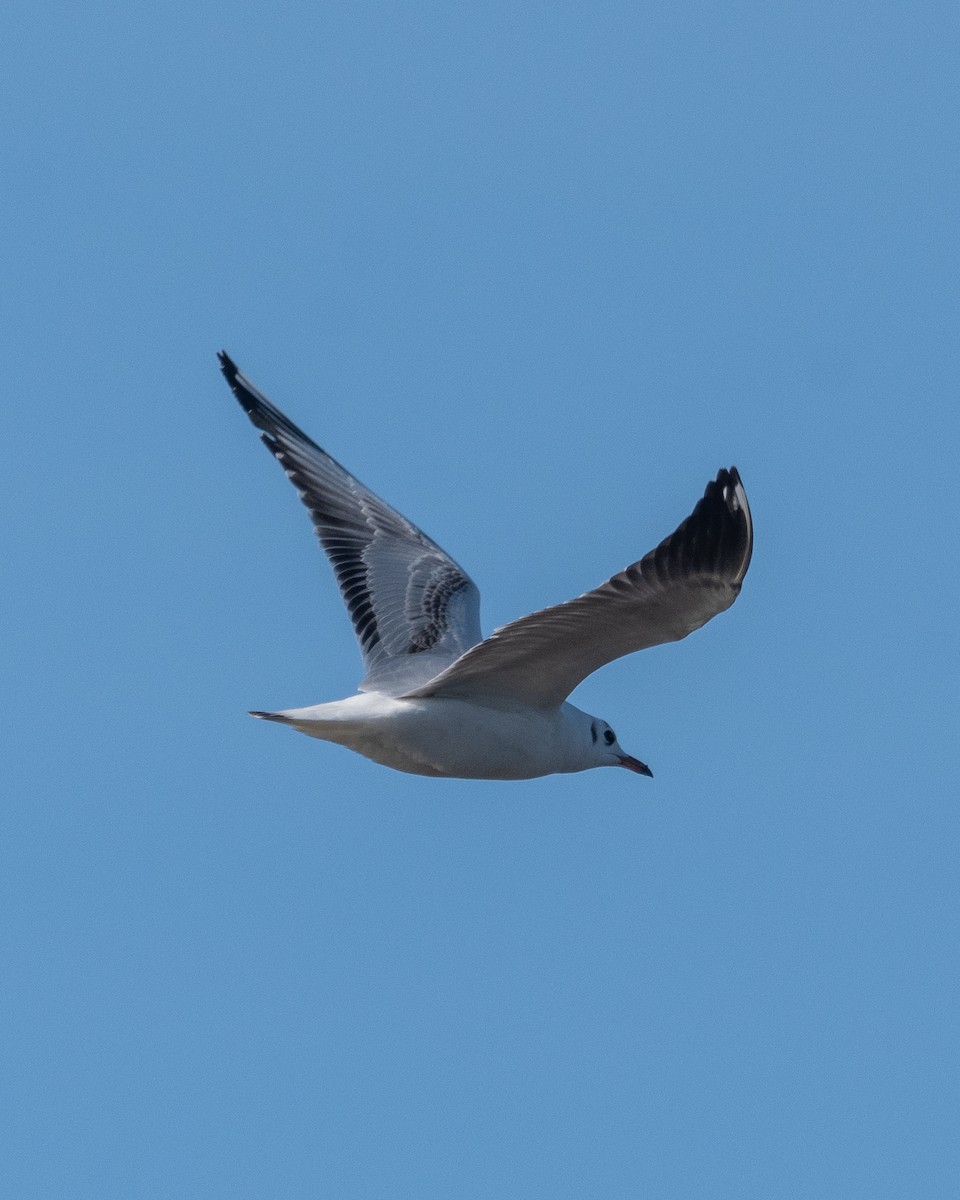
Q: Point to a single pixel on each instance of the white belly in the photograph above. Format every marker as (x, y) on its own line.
(443, 737)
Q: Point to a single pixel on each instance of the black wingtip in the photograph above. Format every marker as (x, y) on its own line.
(715, 540)
(734, 497)
(725, 512)
(228, 367)
(249, 400)
(259, 409)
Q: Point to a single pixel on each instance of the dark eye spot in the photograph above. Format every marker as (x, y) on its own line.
(609, 736)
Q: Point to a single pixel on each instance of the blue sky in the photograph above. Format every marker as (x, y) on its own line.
(533, 272)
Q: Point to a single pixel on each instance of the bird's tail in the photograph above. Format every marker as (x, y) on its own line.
(271, 716)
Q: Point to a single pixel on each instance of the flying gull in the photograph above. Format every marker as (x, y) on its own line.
(437, 697)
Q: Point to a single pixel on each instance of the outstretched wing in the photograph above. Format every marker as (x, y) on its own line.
(414, 610)
(690, 577)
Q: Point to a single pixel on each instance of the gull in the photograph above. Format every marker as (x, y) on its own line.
(437, 698)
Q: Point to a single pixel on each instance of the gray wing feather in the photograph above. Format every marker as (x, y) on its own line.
(413, 609)
(690, 577)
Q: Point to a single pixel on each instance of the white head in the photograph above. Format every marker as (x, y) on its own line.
(596, 745)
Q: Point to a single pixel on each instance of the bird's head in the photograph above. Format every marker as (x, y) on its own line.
(602, 748)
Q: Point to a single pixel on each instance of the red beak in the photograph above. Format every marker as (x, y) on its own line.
(634, 764)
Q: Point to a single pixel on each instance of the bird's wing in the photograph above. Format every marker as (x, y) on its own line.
(690, 577)
(414, 610)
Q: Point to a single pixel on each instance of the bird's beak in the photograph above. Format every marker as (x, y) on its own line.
(634, 764)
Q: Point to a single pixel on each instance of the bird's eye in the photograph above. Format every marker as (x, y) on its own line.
(609, 736)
